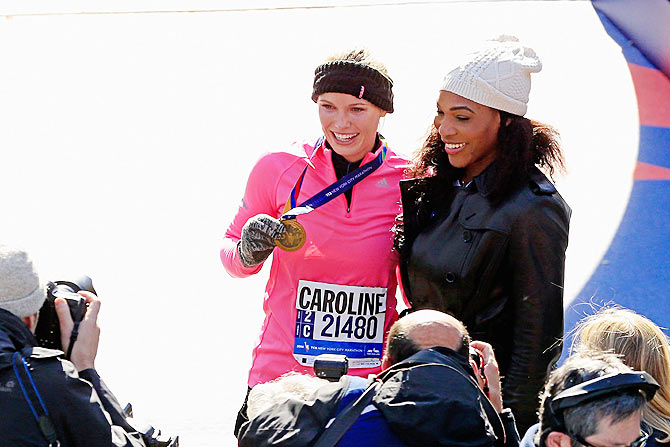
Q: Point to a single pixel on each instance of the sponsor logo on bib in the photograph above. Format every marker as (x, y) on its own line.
(337, 319)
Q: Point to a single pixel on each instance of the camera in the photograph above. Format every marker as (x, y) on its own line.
(478, 360)
(47, 331)
(478, 366)
(331, 366)
(476, 357)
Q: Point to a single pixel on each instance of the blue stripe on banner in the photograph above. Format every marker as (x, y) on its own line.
(635, 271)
(630, 52)
(655, 145)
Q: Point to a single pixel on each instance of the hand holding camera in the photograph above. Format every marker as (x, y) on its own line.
(490, 374)
(64, 316)
(85, 347)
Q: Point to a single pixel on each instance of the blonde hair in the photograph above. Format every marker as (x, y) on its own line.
(642, 346)
(361, 55)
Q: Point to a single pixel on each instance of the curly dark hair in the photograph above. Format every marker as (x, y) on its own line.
(521, 145)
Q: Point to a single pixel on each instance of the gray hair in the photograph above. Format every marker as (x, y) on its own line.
(583, 420)
(291, 385)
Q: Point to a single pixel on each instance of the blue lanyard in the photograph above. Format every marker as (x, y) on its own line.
(43, 421)
(333, 190)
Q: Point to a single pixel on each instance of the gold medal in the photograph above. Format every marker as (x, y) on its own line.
(294, 237)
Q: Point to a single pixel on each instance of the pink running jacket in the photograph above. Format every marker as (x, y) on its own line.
(336, 294)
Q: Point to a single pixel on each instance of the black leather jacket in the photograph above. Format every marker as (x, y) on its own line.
(498, 268)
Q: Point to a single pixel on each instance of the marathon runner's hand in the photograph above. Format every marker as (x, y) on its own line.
(258, 239)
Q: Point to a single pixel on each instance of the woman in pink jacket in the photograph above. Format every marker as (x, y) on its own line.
(324, 210)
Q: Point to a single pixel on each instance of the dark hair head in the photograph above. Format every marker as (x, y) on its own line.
(521, 143)
(582, 420)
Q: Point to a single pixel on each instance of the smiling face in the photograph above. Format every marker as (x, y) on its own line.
(349, 124)
(469, 131)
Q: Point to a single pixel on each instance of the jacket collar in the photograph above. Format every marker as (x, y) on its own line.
(14, 336)
(484, 181)
(468, 400)
(438, 354)
(321, 151)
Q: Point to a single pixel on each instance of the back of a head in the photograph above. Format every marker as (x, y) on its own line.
(424, 329)
(642, 346)
(21, 291)
(582, 420)
(420, 412)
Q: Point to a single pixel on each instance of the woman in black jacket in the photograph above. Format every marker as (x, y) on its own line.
(483, 233)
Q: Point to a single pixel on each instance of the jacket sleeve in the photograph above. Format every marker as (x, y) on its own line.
(293, 421)
(512, 438)
(536, 266)
(83, 416)
(108, 400)
(259, 198)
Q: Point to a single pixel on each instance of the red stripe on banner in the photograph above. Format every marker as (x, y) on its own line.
(652, 88)
(646, 171)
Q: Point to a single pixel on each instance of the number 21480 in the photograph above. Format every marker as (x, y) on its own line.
(353, 327)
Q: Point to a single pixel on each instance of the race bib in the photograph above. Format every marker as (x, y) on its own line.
(334, 319)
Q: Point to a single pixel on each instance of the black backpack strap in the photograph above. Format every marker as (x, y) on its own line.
(37, 406)
(347, 417)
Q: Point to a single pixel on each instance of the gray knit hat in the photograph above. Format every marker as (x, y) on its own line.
(21, 291)
(497, 76)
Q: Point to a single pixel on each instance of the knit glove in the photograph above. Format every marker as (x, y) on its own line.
(258, 239)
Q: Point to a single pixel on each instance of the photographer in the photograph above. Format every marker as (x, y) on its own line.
(44, 399)
(432, 391)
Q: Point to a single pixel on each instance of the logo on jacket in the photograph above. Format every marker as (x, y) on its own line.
(382, 183)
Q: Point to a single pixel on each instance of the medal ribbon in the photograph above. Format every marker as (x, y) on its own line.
(341, 186)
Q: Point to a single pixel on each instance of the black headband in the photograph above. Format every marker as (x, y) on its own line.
(355, 79)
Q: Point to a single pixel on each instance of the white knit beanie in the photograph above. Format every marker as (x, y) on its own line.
(497, 76)
(21, 292)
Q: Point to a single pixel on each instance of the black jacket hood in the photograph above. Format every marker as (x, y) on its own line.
(432, 398)
(14, 336)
